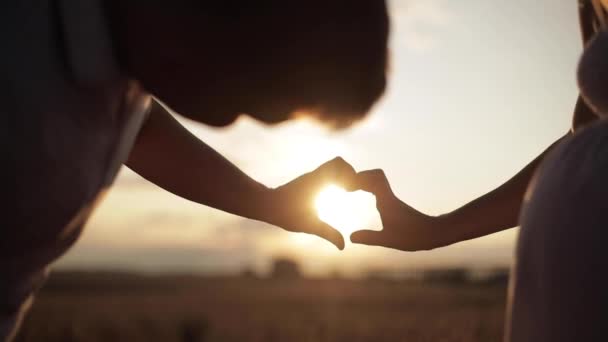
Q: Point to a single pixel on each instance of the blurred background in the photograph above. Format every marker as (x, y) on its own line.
(477, 89)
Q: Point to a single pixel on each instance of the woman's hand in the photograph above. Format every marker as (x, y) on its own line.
(405, 228)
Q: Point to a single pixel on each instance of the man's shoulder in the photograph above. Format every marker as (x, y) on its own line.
(55, 53)
(89, 51)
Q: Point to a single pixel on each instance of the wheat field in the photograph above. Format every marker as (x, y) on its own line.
(123, 307)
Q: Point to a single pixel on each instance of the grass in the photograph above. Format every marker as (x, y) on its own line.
(115, 307)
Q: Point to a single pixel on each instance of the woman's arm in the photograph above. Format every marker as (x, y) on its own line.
(495, 211)
(407, 229)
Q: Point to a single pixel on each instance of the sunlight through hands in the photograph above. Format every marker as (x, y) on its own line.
(346, 211)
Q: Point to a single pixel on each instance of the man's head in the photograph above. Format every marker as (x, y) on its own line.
(211, 61)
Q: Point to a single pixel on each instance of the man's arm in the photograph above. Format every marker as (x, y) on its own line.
(168, 155)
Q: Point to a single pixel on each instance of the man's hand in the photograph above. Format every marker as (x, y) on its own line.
(405, 228)
(292, 205)
(169, 156)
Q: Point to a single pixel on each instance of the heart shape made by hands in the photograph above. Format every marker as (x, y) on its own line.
(347, 211)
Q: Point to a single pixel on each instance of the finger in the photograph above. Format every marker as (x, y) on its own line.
(373, 181)
(337, 170)
(329, 233)
(368, 237)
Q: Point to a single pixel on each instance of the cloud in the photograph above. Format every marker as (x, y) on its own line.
(418, 24)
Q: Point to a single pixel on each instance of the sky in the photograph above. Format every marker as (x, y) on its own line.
(476, 90)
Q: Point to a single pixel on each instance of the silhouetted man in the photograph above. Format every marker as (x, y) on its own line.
(79, 87)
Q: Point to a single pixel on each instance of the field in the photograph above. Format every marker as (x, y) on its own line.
(124, 307)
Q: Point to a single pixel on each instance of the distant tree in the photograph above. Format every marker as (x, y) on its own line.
(497, 276)
(284, 268)
(193, 330)
(248, 273)
(447, 275)
(335, 274)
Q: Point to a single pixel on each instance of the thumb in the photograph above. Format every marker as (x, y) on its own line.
(336, 170)
(329, 233)
(373, 181)
(368, 237)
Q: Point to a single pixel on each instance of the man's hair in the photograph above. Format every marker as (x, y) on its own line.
(326, 57)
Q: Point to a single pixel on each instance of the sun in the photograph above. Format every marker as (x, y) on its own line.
(345, 211)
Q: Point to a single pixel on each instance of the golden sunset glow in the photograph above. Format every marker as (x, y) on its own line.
(345, 211)
(430, 127)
